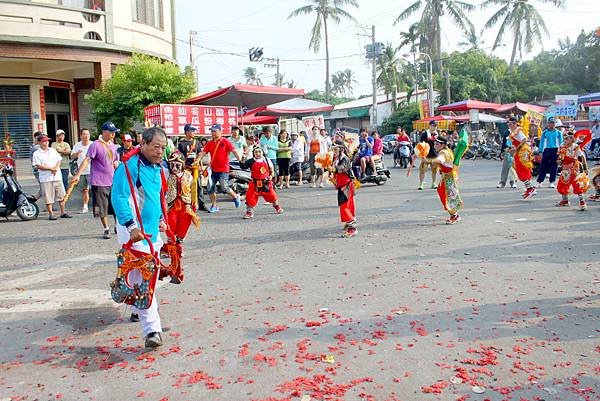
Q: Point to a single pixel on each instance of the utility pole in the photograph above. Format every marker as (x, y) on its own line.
(192, 64)
(274, 62)
(447, 74)
(374, 78)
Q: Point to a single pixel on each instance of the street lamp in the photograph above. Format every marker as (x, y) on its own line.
(429, 78)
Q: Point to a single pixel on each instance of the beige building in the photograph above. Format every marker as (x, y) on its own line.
(54, 52)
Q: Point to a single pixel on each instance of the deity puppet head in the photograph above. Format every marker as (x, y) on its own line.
(176, 162)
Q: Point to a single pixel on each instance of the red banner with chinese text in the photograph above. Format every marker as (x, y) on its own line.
(173, 117)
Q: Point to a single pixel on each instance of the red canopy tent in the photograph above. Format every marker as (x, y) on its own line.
(250, 96)
(466, 105)
(293, 108)
(250, 118)
(592, 104)
(518, 106)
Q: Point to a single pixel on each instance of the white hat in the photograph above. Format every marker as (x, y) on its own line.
(60, 131)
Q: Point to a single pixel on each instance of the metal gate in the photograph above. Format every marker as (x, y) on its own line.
(15, 117)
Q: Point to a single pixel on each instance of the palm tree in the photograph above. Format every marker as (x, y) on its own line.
(431, 28)
(337, 83)
(278, 79)
(411, 37)
(349, 81)
(390, 76)
(522, 19)
(472, 40)
(252, 76)
(325, 10)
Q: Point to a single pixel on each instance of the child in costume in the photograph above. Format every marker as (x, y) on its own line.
(344, 182)
(447, 188)
(574, 171)
(262, 173)
(180, 211)
(522, 154)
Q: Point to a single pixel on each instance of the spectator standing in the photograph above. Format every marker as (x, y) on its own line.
(595, 137)
(48, 162)
(270, 145)
(238, 142)
(314, 149)
(79, 152)
(284, 154)
(35, 146)
(550, 142)
(298, 155)
(102, 158)
(219, 148)
(127, 146)
(64, 150)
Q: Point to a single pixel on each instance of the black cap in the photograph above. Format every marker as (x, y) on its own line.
(190, 127)
(441, 139)
(432, 122)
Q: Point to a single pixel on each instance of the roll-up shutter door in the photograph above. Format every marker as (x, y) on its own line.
(15, 117)
(85, 112)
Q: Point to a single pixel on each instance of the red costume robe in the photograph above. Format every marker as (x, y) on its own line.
(261, 184)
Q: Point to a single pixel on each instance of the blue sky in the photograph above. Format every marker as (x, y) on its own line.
(233, 26)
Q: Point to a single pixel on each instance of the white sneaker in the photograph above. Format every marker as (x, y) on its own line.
(538, 185)
(321, 185)
(84, 210)
(552, 185)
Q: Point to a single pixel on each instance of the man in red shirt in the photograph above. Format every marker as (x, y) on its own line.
(219, 149)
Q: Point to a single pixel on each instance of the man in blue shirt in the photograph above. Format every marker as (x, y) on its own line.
(145, 170)
(365, 150)
(270, 145)
(550, 141)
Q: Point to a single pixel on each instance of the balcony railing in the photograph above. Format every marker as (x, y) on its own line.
(63, 20)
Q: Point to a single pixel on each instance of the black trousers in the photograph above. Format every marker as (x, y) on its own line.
(548, 165)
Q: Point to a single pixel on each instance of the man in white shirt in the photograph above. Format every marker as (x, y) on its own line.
(47, 161)
(298, 156)
(79, 152)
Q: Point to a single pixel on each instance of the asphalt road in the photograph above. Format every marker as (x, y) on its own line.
(281, 307)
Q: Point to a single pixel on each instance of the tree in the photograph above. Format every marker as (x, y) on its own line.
(522, 19)
(429, 23)
(411, 37)
(389, 75)
(472, 40)
(252, 76)
(403, 117)
(342, 83)
(278, 79)
(319, 96)
(143, 81)
(477, 75)
(325, 10)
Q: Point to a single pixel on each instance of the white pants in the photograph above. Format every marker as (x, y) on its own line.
(149, 318)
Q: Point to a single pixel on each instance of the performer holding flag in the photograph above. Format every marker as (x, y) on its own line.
(447, 188)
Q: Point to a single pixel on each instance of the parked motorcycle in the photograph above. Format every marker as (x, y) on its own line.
(13, 199)
(402, 154)
(239, 179)
(379, 177)
(306, 176)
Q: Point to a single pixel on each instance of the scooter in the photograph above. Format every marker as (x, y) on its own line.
(306, 177)
(402, 154)
(239, 179)
(379, 177)
(14, 199)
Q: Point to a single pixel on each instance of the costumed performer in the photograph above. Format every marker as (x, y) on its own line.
(447, 188)
(181, 213)
(144, 165)
(522, 157)
(344, 182)
(574, 171)
(262, 173)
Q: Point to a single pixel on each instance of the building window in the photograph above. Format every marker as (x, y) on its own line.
(149, 12)
(97, 5)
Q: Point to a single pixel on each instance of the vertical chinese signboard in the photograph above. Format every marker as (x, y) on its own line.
(313, 121)
(173, 117)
